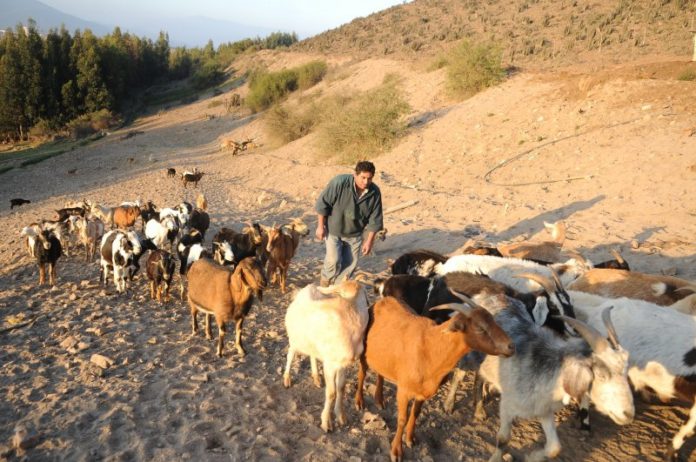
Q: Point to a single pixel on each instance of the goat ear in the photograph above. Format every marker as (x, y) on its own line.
(540, 311)
(577, 378)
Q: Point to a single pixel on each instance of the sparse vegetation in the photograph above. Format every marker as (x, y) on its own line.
(287, 124)
(91, 123)
(364, 126)
(474, 67)
(268, 88)
(687, 75)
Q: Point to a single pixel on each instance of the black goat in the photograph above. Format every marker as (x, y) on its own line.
(199, 220)
(47, 250)
(421, 262)
(171, 172)
(244, 244)
(17, 202)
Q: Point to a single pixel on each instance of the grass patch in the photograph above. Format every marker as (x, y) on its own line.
(289, 124)
(5, 169)
(688, 75)
(215, 103)
(364, 126)
(269, 88)
(473, 67)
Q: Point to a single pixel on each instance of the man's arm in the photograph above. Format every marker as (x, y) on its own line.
(321, 227)
(368, 243)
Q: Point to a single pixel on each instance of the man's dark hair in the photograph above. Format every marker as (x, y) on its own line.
(365, 166)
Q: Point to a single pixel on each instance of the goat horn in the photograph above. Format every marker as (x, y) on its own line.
(577, 256)
(543, 281)
(363, 279)
(618, 256)
(591, 335)
(459, 307)
(690, 287)
(611, 331)
(557, 280)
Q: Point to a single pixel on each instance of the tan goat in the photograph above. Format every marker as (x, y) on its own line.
(614, 283)
(415, 353)
(227, 295)
(547, 251)
(201, 202)
(281, 248)
(124, 216)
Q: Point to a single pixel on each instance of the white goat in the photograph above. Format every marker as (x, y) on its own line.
(505, 270)
(662, 346)
(546, 372)
(328, 324)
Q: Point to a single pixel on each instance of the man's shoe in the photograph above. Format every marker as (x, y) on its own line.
(324, 282)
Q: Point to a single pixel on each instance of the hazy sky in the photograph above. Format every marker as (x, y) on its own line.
(306, 17)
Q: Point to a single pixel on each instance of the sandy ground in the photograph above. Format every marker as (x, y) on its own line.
(612, 152)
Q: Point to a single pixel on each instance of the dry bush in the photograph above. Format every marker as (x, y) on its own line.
(473, 67)
(363, 126)
(285, 124)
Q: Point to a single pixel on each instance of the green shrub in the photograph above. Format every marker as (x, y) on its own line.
(269, 88)
(286, 125)
(687, 75)
(93, 122)
(364, 126)
(473, 67)
(311, 74)
(43, 129)
(207, 75)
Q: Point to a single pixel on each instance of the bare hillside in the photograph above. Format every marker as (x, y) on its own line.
(543, 33)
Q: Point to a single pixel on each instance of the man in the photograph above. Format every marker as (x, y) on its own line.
(348, 206)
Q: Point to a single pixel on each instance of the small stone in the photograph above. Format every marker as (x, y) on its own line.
(670, 271)
(68, 343)
(200, 377)
(84, 283)
(82, 346)
(101, 361)
(354, 459)
(635, 244)
(72, 297)
(152, 341)
(24, 437)
(30, 303)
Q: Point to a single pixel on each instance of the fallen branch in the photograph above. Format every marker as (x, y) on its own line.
(403, 205)
(20, 325)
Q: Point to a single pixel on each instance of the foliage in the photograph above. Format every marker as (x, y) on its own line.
(366, 125)
(687, 75)
(208, 74)
(473, 67)
(311, 73)
(289, 124)
(93, 122)
(268, 88)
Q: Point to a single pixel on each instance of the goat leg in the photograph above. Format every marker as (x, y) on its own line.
(208, 334)
(288, 364)
(479, 398)
(584, 413)
(503, 437)
(221, 336)
(340, 391)
(397, 451)
(52, 273)
(194, 323)
(457, 376)
(238, 339)
(42, 273)
(379, 392)
(362, 370)
(411, 425)
(315, 371)
(330, 379)
(152, 290)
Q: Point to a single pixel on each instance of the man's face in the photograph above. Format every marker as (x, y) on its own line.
(362, 179)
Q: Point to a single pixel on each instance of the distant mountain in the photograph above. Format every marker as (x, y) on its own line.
(46, 17)
(197, 30)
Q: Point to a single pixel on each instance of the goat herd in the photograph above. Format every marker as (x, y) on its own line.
(541, 330)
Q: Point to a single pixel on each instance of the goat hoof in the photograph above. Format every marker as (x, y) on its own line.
(316, 380)
(286, 381)
(326, 426)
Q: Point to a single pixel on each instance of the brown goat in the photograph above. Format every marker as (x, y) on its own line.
(281, 248)
(415, 353)
(227, 295)
(124, 216)
(614, 283)
(546, 251)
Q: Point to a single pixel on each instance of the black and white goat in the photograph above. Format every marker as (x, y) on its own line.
(661, 343)
(117, 252)
(420, 262)
(163, 231)
(47, 250)
(547, 372)
(189, 250)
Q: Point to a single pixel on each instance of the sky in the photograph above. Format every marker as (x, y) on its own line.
(305, 17)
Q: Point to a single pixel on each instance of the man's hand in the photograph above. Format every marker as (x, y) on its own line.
(367, 247)
(321, 233)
